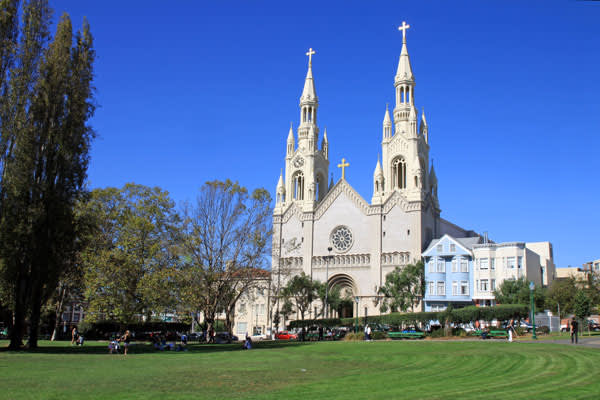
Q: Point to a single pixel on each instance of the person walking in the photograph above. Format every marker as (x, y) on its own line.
(125, 339)
(510, 328)
(369, 333)
(574, 328)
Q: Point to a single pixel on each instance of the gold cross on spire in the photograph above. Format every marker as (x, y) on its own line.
(310, 54)
(343, 166)
(404, 27)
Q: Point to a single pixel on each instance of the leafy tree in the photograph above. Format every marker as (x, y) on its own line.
(517, 292)
(301, 290)
(44, 154)
(225, 239)
(286, 309)
(129, 266)
(403, 287)
(334, 297)
(582, 305)
(562, 293)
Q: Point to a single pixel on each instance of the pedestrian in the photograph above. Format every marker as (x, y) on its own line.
(510, 330)
(369, 333)
(125, 339)
(574, 328)
(74, 335)
(320, 333)
(248, 342)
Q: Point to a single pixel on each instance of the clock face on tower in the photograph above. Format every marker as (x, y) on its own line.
(298, 162)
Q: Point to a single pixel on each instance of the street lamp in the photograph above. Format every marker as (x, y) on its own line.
(356, 299)
(326, 305)
(531, 287)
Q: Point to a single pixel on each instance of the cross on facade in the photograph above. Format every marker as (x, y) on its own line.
(404, 27)
(310, 54)
(343, 166)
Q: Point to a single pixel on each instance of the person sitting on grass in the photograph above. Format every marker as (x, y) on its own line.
(248, 342)
(113, 347)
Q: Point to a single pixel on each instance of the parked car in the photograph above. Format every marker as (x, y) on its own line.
(285, 335)
(197, 336)
(225, 337)
(593, 325)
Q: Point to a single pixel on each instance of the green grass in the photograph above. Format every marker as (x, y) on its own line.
(338, 370)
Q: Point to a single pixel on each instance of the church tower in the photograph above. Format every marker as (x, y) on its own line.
(306, 165)
(405, 145)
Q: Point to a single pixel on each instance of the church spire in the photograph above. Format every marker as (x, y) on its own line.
(325, 145)
(387, 123)
(280, 189)
(404, 83)
(309, 94)
(404, 72)
(290, 141)
(424, 129)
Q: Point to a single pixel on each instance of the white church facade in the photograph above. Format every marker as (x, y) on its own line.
(331, 233)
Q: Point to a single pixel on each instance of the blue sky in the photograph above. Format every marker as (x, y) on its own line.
(193, 91)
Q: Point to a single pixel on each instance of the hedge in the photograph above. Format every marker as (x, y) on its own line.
(457, 315)
(106, 329)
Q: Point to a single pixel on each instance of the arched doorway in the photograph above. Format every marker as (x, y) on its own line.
(348, 290)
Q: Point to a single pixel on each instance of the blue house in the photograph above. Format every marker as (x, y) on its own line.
(449, 272)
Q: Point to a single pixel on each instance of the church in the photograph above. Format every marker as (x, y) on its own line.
(331, 233)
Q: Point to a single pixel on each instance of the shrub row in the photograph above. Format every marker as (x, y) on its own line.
(458, 315)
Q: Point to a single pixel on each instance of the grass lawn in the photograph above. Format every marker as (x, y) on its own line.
(331, 370)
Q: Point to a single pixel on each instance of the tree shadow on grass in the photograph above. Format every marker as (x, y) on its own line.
(101, 347)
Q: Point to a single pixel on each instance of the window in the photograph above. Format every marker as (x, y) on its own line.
(520, 262)
(441, 265)
(492, 263)
(431, 266)
(483, 263)
(483, 285)
(435, 307)
(454, 288)
(261, 291)
(242, 307)
(464, 288)
(464, 265)
(452, 248)
(399, 173)
(242, 328)
(493, 285)
(298, 186)
(510, 262)
(454, 265)
(441, 288)
(439, 247)
(431, 288)
(261, 309)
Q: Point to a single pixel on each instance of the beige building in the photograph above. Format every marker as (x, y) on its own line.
(497, 262)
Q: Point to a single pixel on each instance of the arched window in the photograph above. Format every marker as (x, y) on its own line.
(298, 186)
(399, 173)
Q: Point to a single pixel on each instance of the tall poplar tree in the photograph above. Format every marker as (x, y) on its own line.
(45, 153)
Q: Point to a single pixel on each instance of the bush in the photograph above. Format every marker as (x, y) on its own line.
(459, 332)
(354, 336)
(378, 335)
(107, 329)
(544, 330)
(520, 330)
(438, 333)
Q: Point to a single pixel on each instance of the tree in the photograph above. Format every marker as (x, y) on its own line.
(582, 306)
(130, 265)
(562, 294)
(518, 292)
(225, 239)
(44, 154)
(403, 287)
(334, 297)
(302, 291)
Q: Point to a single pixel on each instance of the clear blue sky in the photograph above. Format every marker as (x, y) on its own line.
(191, 91)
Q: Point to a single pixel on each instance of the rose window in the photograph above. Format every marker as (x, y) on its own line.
(341, 238)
